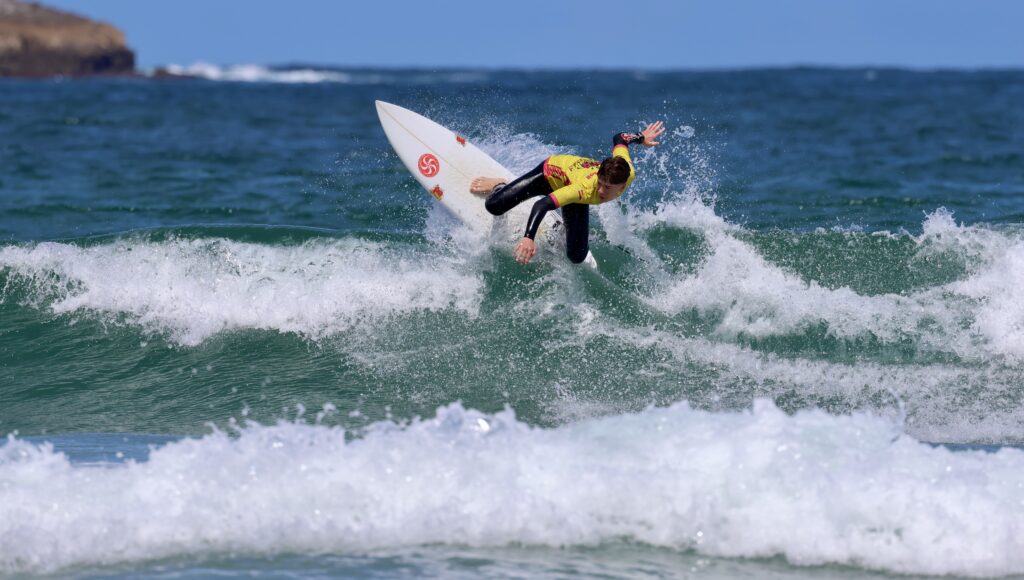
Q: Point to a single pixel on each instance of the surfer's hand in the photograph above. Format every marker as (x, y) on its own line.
(651, 134)
(524, 250)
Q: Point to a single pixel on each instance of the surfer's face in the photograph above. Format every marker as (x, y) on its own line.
(608, 191)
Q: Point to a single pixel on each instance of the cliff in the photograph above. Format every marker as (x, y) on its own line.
(36, 41)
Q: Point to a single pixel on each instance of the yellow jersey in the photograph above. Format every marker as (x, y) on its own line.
(574, 179)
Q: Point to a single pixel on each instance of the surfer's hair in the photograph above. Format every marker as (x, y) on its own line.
(615, 170)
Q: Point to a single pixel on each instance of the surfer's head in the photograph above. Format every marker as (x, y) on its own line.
(612, 177)
(614, 170)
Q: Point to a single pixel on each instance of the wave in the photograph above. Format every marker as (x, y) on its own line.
(702, 310)
(192, 289)
(940, 402)
(687, 306)
(950, 289)
(254, 73)
(813, 488)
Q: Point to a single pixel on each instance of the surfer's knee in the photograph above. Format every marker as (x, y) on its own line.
(577, 255)
(494, 204)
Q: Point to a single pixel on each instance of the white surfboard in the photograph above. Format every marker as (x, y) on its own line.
(444, 163)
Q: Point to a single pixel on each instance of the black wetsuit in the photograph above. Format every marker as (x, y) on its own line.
(538, 182)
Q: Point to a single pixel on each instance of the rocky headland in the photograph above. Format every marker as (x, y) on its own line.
(36, 41)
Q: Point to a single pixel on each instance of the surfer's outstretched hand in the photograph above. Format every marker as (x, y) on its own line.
(524, 250)
(651, 134)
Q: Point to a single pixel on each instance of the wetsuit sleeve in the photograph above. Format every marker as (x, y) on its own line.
(540, 209)
(621, 143)
(620, 148)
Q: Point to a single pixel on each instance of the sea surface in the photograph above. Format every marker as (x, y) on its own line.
(238, 340)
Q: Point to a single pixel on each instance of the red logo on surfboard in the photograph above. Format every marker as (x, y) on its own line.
(429, 165)
(437, 192)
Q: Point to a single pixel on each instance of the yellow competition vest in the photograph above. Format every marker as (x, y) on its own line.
(574, 179)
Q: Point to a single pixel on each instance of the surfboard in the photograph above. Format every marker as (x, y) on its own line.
(445, 162)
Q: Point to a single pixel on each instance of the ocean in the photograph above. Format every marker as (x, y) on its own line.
(238, 340)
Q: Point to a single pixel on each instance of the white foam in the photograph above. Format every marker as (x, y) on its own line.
(625, 225)
(253, 73)
(975, 318)
(683, 211)
(995, 263)
(192, 289)
(758, 298)
(999, 316)
(519, 152)
(933, 394)
(812, 488)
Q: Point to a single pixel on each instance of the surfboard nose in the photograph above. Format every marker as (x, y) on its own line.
(384, 109)
(392, 109)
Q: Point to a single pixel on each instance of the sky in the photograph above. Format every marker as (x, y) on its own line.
(559, 34)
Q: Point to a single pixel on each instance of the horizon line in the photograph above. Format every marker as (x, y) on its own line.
(598, 68)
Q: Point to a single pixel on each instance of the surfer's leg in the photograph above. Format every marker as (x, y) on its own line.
(576, 217)
(506, 197)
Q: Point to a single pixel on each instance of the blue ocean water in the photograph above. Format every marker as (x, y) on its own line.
(236, 337)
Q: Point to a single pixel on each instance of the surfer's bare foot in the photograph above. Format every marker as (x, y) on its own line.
(485, 184)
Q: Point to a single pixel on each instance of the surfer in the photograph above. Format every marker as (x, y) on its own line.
(570, 183)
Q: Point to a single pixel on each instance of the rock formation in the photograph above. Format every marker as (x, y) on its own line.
(36, 41)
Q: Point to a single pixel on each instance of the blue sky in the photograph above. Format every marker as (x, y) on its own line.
(654, 34)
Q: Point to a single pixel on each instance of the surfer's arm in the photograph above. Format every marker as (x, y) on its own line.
(526, 247)
(621, 143)
(648, 137)
(540, 209)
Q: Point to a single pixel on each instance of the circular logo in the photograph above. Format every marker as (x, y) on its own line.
(429, 165)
